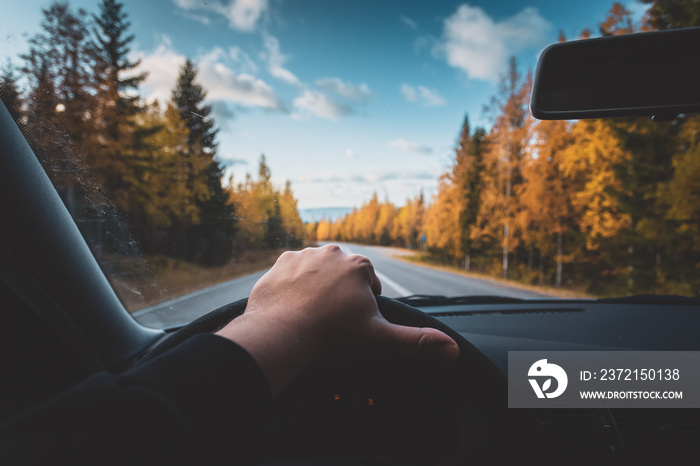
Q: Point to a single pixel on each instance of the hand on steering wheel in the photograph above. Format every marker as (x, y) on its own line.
(318, 303)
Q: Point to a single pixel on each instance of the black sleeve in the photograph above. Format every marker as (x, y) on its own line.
(199, 403)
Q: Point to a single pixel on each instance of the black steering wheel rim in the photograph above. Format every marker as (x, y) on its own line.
(484, 384)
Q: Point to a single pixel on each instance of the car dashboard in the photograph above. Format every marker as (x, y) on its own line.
(614, 435)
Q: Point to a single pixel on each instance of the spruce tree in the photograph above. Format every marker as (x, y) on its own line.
(9, 93)
(113, 39)
(189, 97)
(116, 137)
(210, 242)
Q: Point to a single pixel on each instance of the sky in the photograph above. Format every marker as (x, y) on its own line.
(344, 98)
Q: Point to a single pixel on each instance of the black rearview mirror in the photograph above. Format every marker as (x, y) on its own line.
(646, 74)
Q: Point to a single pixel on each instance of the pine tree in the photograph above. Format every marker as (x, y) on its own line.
(672, 14)
(214, 237)
(189, 100)
(46, 137)
(385, 221)
(63, 55)
(113, 51)
(10, 95)
(466, 176)
(291, 221)
(367, 219)
(474, 180)
(409, 222)
(60, 101)
(114, 155)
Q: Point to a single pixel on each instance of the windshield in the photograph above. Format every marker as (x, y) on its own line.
(194, 141)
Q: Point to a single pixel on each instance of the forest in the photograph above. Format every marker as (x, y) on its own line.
(138, 177)
(606, 206)
(610, 207)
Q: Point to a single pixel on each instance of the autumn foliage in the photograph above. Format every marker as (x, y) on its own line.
(139, 177)
(609, 206)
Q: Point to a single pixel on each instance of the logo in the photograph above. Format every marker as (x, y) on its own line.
(546, 371)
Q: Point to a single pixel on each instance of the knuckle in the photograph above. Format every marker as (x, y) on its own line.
(423, 342)
(332, 247)
(361, 261)
(286, 255)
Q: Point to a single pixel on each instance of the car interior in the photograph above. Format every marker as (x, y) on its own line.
(63, 321)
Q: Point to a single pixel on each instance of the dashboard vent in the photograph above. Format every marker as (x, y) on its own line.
(509, 312)
(573, 431)
(668, 433)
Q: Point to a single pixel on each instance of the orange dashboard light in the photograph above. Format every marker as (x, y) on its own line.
(370, 402)
(336, 397)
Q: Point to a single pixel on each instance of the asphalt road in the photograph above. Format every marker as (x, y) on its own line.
(398, 278)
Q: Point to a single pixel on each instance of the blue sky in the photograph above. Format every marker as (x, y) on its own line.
(343, 97)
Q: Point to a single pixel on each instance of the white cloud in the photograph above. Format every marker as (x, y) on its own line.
(409, 93)
(276, 60)
(350, 154)
(475, 43)
(319, 104)
(408, 22)
(221, 112)
(245, 63)
(412, 147)
(221, 82)
(242, 15)
(423, 95)
(162, 66)
(346, 90)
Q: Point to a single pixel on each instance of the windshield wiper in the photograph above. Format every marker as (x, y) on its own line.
(438, 300)
(652, 299)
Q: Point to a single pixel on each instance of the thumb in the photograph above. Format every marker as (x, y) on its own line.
(423, 341)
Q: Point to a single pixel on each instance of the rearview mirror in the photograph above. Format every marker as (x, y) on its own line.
(655, 74)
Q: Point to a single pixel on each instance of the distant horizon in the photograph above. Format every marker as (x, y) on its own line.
(316, 214)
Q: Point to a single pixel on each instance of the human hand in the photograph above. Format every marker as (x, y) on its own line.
(320, 302)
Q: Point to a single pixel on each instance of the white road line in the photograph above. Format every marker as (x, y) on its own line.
(383, 278)
(345, 249)
(387, 281)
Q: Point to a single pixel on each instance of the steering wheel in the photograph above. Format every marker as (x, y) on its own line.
(414, 405)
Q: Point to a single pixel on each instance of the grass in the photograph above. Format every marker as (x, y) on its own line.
(141, 282)
(426, 260)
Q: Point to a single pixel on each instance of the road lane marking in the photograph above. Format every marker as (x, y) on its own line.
(392, 284)
(382, 278)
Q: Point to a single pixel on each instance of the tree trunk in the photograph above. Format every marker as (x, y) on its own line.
(557, 280)
(467, 260)
(505, 228)
(505, 252)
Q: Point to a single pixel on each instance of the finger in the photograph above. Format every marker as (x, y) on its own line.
(414, 340)
(374, 283)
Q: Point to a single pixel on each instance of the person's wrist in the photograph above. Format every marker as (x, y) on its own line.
(276, 344)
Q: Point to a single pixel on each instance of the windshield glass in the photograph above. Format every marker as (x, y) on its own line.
(194, 141)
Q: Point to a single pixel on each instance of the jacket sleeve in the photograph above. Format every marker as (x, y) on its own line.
(201, 402)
